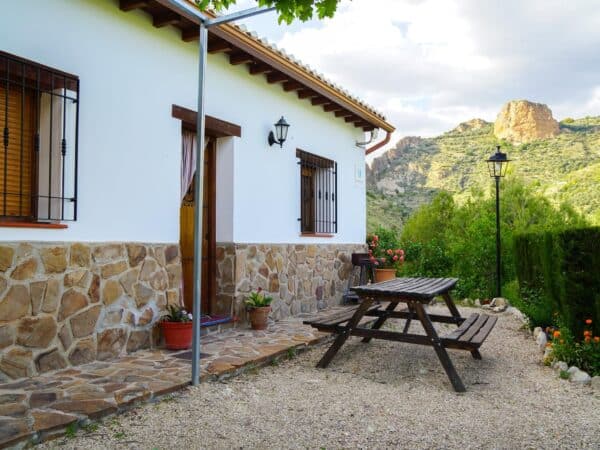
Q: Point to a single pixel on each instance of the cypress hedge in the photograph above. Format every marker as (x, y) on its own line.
(559, 272)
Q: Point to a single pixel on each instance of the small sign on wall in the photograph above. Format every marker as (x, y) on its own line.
(359, 173)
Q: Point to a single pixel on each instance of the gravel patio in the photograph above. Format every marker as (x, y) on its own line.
(380, 395)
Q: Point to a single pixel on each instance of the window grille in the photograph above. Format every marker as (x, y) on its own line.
(318, 193)
(39, 111)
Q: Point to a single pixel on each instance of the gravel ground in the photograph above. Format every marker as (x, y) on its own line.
(380, 395)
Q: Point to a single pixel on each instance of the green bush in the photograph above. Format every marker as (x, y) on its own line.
(562, 269)
(444, 238)
(425, 259)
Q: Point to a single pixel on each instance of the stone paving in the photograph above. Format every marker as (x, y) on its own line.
(42, 407)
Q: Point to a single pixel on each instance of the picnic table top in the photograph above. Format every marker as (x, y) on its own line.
(418, 288)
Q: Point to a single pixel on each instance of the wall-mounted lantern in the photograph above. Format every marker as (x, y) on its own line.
(281, 131)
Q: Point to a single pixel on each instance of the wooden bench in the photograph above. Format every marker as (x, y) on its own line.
(471, 333)
(333, 321)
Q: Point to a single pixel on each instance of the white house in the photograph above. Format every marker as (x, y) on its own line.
(97, 102)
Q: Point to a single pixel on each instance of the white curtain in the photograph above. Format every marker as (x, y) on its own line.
(188, 159)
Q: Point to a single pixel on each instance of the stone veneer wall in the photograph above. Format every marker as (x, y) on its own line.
(65, 304)
(301, 278)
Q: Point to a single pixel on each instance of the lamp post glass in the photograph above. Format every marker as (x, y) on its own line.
(498, 163)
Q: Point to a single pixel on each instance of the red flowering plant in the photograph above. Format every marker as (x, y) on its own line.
(584, 353)
(383, 252)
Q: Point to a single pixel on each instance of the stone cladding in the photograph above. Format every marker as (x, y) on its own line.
(66, 304)
(300, 278)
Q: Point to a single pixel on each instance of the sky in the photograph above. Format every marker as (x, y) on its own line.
(429, 65)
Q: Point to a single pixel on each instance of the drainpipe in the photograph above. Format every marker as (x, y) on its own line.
(377, 146)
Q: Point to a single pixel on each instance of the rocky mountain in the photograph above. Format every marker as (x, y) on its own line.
(562, 161)
(521, 121)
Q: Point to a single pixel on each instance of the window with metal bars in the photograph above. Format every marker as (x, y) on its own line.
(39, 110)
(318, 194)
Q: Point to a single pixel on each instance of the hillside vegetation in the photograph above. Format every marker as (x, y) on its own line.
(563, 168)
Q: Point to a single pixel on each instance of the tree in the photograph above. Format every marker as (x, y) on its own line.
(288, 10)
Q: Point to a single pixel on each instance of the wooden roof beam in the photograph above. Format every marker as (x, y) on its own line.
(130, 5)
(257, 68)
(276, 77)
(166, 18)
(219, 46)
(330, 107)
(319, 101)
(307, 93)
(352, 119)
(190, 34)
(237, 58)
(343, 113)
(292, 86)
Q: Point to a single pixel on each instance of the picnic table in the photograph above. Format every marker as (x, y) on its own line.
(415, 293)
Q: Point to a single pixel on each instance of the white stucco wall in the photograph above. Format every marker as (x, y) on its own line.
(129, 145)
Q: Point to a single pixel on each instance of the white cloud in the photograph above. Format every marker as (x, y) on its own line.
(431, 64)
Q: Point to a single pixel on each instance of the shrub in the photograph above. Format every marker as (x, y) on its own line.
(562, 269)
(426, 259)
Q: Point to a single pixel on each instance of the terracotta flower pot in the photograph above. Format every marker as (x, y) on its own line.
(259, 317)
(384, 275)
(178, 335)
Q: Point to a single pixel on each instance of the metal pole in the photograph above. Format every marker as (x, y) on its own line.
(498, 262)
(204, 24)
(199, 199)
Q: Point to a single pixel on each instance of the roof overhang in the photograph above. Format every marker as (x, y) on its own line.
(244, 48)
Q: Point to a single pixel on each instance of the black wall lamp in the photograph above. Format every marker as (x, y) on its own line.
(281, 131)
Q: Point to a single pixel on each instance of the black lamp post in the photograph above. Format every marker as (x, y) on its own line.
(497, 165)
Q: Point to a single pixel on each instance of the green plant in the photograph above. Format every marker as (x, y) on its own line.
(583, 353)
(91, 427)
(71, 430)
(291, 352)
(119, 435)
(288, 10)
(258, 299)
(176, 313)
(564, 375)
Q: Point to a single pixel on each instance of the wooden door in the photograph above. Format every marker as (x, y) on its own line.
(208, 290)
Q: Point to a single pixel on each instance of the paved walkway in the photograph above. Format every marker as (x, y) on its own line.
(36, 409)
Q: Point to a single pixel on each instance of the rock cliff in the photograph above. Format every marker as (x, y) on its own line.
(521, 121)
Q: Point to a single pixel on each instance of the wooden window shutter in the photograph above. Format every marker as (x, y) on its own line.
(16, 160)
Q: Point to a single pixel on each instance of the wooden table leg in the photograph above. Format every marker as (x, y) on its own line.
(345, 334)
(452, 307)
(381, 320)
(439, 348)
(409, 320)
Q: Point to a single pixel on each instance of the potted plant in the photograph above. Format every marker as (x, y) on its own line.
(259, 307)
(177, 328)
(385, 257)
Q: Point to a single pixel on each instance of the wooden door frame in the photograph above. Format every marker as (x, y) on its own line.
(211, 233)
